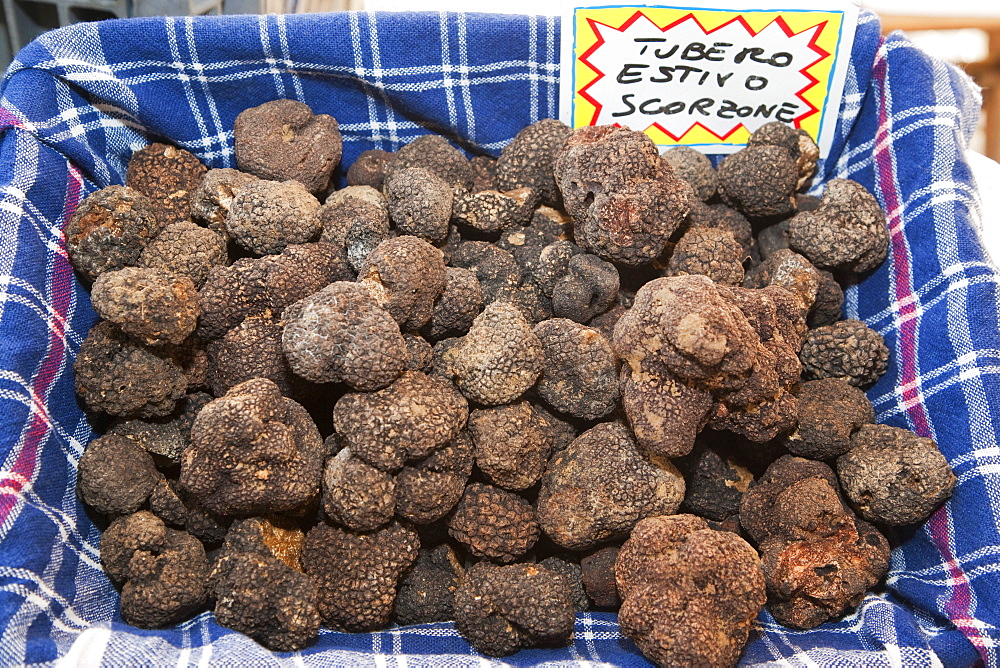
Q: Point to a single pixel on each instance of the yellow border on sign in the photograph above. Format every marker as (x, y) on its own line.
(797, 21)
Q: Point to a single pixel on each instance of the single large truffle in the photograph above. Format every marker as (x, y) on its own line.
(167, 175)
(115, 476)
(759, 181)
(282, 140)
(830, 410)
(846, 349)
(512, 444)
(501, 609)
(689, 594)
(357, 573)
(428, 489)
(708, 251)
(187, 249)
(494, 524)
(580, 375)
(491, 211)
(110, 229)
(528, 160)
(597, 489)
(892, 476)
(420, 203)
(498, 360)
(267, 216)
(153, 306)
(405, 275)
(796, 141)
(695, 168)
(847, 232)
(252, 349)
(339, 334)
(253, 452)
(408, 420)
(162, 572)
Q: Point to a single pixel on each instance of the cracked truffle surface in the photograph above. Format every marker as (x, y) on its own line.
(848, 231)
(493, 523)
(167, 175)
(512, 444)
(846, 349)
(695, 168)
(580, 373)
(420, 203)
(267, 216)
(253, 452)
(404, 276)
(369, 169)
(252, 349)
(355, 219)
(789, 270)
(830, 410)
(892, 476)
(529, 159)
(211, 200)
(339, 334)
(501, 609)
(829, 301)
(357, 495)
(110, 229)
(282, 140)
(434, 153)
(163, 572)
(710, 252)
(498, 360)
(153, 306)
(115, 476)
(491, 211)
(759, 181)
(601, 485)
(714, 485)
(689, 594)
(427, 592)
(187, 249)
(457, 306)
(427, 490)
(117, 376)
(357, 573)
(410, 419)
(796, 141)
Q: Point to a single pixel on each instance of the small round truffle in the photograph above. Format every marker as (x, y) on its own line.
(796, 141)
(714, 484)
(282, 140)
(369, 168)
(419, 203)
(115, 476)
(847, 232)
(512, 444)
(501, 609)
(830, 410)
(596, 489)
(491, 211)
(267, 216)
(580, 373)
(154, 306)
(109, 230)
(493, 523)
(759, 181)
(187, 249)
(339, 334)
(428, 489)
(167, 175)
(355, 219)
(710, 252)
(434, 153)
(405, 275)
(892, 476)
(695, 168)
(789, 270)
(528, 160)
(252, 349)
(457, 306)
(211, 200)
(357, 495)
(846, 349)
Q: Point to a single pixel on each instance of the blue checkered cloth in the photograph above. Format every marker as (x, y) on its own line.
(78, 101)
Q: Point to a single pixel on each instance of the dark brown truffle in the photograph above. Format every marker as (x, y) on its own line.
(714, 484)
(434, 153)
(457, 306)
(598, 573)
(695, 168)
(153, 306)
(796, 141)
(420, 203)
(212, 198)
(830, 410)
(185, 248)
(759, 181)
(357, 495)
(496, 270)
(405, 275)
(846, 349)
(689, 594)
(892, 476)
(512, 444)
(528, 160)
(369, 169)
(356, 220)
(491, 211)
(427, 592)
(252, 349)
(282, 140)
(428, 489)
(580, 373)
(267, 216)
(601, 485)
(494, 524)
(710, 252)
(115, 476)
(167, 175)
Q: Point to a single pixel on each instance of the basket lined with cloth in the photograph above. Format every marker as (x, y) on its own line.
(77, 102)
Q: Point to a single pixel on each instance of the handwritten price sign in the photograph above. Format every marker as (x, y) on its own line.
(708, 76)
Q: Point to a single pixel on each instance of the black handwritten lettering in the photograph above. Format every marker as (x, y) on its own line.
(667, 54)
(627, 76)
(704, 75)
(787, 112)
(748, 51)
(755, 82)
(627, 102)
(781, 59)
(727, 110)
(685, 70)
(667, 72)
(722, 79)
(754, 53)
(765, 111)
(702, 106)
(644, 107)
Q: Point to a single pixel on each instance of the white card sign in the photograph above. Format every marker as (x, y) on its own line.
(706, 75)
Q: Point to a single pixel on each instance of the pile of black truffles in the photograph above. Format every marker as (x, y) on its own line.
(581, 376)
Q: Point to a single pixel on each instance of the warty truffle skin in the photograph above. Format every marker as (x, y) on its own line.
(253, 452)
(167, 175)
(405, 275)
(356, 220)
(892, 476)
(282, 140)
(433, 153)
(528, 160)
(356, 494)
(252, 349)
(710, 252)
(427, 592)
(492, 211)
(759, 181)
(357, 574)
(695, 168)
(162, 572)
(846, 349)
(428, 489)
(419, 203)
(154, 306)
(494, 524)
(186, 248)
(457, 306)
(369, 168)
(115, 476)
(117, 376)
(339, 334)
(267, 216)
(714, 484)
(597, 489)
(498, 360)
(588, 287)
(109, 230)
(689, 594)
(211, 200)
(501, 609)
(512, 444)
(789, 270)
(598, 573)
(847, 232)
(796, 141)
(410, 419)
(830, 410)
(580, 375)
